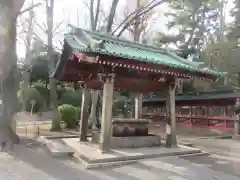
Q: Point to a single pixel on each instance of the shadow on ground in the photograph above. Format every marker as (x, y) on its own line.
(53, 167)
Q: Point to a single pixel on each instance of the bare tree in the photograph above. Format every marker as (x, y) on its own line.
(27, 59)
(9, 10)
(50, 29)
(52, 81)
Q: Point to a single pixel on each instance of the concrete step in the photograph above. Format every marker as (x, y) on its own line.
(119, 161)
(195, 154)
(186, 143)
(56, 147)
(108, 164)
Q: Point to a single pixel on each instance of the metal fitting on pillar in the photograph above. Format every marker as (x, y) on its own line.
(103, 77)
(173, 84)
(82, 84)
(237, 106)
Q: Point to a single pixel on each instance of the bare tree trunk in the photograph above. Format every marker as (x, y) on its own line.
(112, 15)
(53, 87)
(96, 15)
(221, 14)
(26, 74)
(8, 72)
(93, 114)
(91, 11)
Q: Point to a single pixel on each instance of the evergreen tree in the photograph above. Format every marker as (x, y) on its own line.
(235, 29)
(195, 21)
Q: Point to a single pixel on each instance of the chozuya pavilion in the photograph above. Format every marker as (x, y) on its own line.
(103, 62)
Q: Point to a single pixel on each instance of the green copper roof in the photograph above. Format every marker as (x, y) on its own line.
(199, 96)
(112, 46)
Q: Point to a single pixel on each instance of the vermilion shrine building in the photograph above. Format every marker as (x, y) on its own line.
(110, 64)
(203, 109)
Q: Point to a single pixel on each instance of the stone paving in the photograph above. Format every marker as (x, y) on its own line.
(224, 154)
(26, 164)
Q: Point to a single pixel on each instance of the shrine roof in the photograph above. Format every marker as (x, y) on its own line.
(115, 47)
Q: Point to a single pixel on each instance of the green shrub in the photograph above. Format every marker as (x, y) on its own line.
(119, 106)
(68, 114)
(78, 113)
(73, 98)
(45, 92)
(33, 95)
(60, 91)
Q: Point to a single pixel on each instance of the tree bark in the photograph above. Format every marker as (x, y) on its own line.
(92, 13)
(52, 81)
(221, 14)
(96, 15)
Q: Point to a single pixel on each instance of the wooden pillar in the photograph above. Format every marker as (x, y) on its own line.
(93, 114)
(191, 110)
(138, 106)
(171, 140)
(225, 111)
(237, 121)
(106, 121)
(207, 116)
(84, 115)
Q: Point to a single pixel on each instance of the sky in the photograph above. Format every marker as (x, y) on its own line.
(74, 12)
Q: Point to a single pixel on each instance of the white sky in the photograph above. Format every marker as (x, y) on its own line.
(74, 12)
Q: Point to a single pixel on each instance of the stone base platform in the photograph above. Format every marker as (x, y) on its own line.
(131, 141)
(89, 154)
(236, 137)
(56, 147)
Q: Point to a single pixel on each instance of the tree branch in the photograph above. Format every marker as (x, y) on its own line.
(139, 14)
(44, 30)
(29, 8)
(57, 26)
(134, 13)
(58, 32)
(86, 4)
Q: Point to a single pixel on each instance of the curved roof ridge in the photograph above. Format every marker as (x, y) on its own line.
(120, 40)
